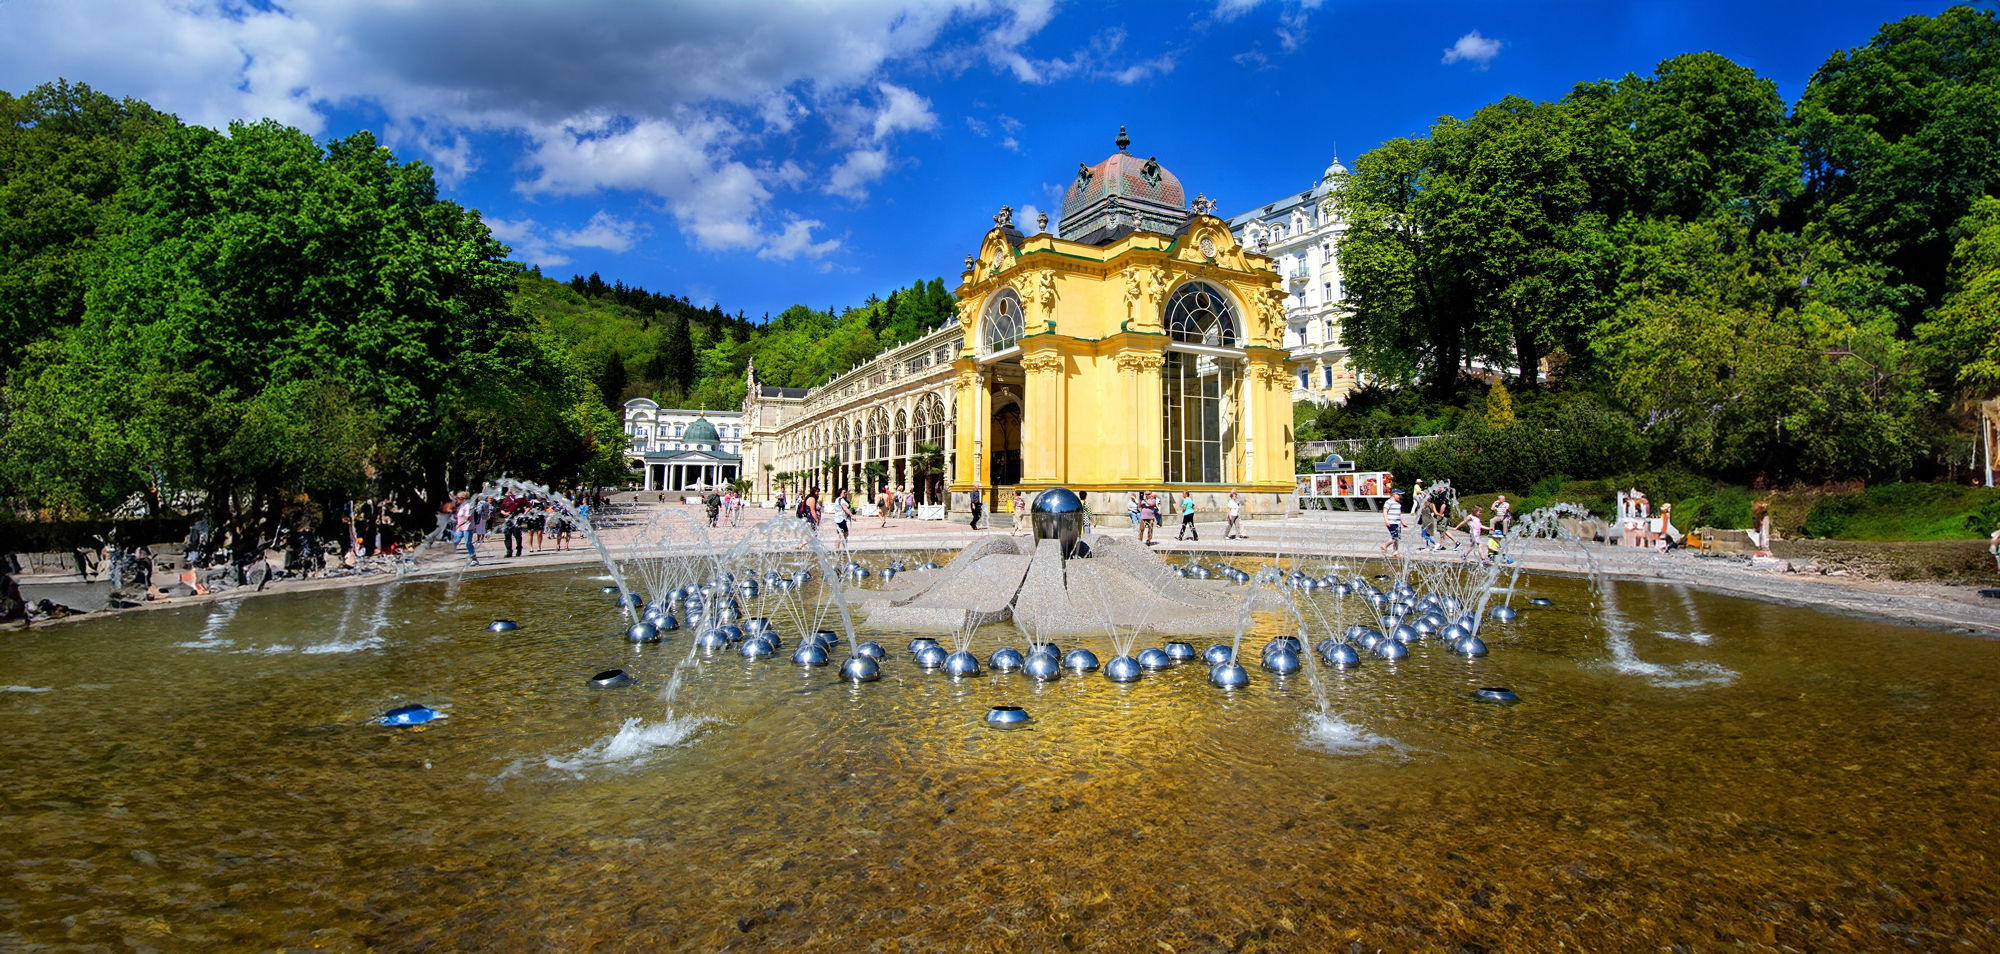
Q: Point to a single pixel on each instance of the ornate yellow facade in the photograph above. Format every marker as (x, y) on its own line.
(1125, 358)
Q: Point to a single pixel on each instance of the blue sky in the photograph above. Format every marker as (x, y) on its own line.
(758, 153)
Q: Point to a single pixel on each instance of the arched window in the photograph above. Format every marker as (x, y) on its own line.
(878, 432)
(1000, 323)
(935, 416)
(1197, 313)
(902, 434)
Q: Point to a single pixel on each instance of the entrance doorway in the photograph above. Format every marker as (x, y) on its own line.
(1005, 455)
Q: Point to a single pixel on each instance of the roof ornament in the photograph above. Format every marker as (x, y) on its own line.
(1123, 140)
(1004, 218)
(1041, 222)
(1203, 205)
(968, 262)
(1082, 174)
(1151, 171)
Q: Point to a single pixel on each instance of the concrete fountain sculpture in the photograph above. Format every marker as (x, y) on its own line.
(1062, 583)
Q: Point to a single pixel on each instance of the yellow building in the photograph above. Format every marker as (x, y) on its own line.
(1138, 348)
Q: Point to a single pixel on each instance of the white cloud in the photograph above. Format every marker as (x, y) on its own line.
(604, 230)
(1157, 66)
(856, 172)
(1227, 10)
(1473, 48)
(796, 240)
(901, 110)
(1025, 219)
(528, 241)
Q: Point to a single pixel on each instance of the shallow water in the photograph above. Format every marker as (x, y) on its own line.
(1682, 769)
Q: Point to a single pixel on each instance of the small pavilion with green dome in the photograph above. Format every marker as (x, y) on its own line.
(703, 465)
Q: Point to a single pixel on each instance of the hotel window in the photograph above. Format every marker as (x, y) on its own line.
(1326, 375)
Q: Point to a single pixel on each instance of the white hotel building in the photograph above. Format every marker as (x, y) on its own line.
(1300, 233)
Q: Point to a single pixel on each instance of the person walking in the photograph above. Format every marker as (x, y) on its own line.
(1149, 516)
(1475, 526)
(842, 512)
(462, 526)
(1132, 509)
(978, 506)
(1187, 519)
(511, 528)
(1020, 512)
(886, 503)
(1993, 546)
(1392, 519)
(1235, 511)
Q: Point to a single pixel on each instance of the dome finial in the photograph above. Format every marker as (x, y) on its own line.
(1123, 140)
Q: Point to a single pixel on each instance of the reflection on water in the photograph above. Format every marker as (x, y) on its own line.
(1682, 769)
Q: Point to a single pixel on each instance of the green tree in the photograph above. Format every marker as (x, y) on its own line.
(1499, 405)
(1901, 136)
(612, 380)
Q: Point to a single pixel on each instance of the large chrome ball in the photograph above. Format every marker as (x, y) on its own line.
(1154, 660)
(1469, 646)
(1179, 652)
(1342, 656)
(1057, 514)
(1406, 634)
(872, 650)
(1079, 660)
(712, 639)
(921, 643)
(1006, 659)
(1392, 650)
(1228, 675)
(1123, 669)
(1007, 717)
(888, 573)
(810, 653)
(611, 679)
(756, 626)
(931, 657)
(1453, 632)
(1503, 612)
(756, 647)
(1218, 654)
(859, 668)
(1369, 637)
(961, 663)
(749, 589)
(642, 632)
(734, 632)
(1282, 661)
(1042, 667)
(827, 638)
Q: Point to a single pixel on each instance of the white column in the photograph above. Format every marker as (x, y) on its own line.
(649, 476)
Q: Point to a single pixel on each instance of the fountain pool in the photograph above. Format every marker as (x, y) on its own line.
(1680, 769)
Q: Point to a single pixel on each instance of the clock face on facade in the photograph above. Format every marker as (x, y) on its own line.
(999, 260)
(1208, 246)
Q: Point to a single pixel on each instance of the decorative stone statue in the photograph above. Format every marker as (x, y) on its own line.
(1041, 222)
(1005, 217)
(1203, 205)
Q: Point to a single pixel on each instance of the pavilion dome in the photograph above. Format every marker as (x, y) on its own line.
(1122, 194)
(701, 432)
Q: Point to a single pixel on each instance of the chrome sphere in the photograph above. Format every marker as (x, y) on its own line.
(1283, 661)
(810, 653)
(749, 589)
(1369, 637)
(1453, 632)
(1495, 694)
(859, 573)
(642, 632)
(827, 638)
(607, 590)
(666, 622)
(712, 639)
(1425, 625)
(1469, 646)
(1154, 660)
(1354, 632)
(1541, 601)
(1503, 613)
(1218, 654)
(1392, 650)
(872, 650)
(611, 679)
(735, 633)
(756, 626)
(1228, 675)
(859, 668)
(1123, 669)
(1079, 660)
(930, 657)
(1406, 634)
(503, 626)
(888, 573)
(633, 600)
(921, 643)
(729, 612)
(1007, 717)
(677, 595)
(1179, 652)
(756, 647)
(1042, 667)
(1057, 514)
(961, 663)
(1005, 659)
(1342, 656)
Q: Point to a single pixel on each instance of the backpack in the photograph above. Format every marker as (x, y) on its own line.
(802, 509)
